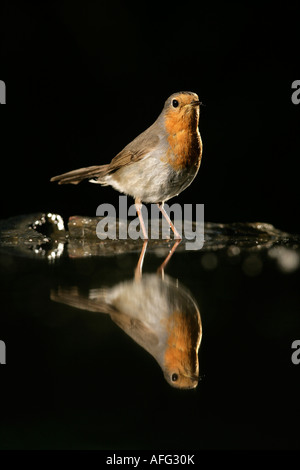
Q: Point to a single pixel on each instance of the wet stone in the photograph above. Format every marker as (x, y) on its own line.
(44, 235)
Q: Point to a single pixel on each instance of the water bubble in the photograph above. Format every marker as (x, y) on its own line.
(209, 261)
(287, 260)
(233, 250)
(252, 265)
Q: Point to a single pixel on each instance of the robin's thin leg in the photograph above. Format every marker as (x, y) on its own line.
(176, 234)
(161, 269)
(139, 266)
(138, 206)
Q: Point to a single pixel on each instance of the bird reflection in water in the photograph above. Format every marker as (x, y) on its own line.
(157, 312)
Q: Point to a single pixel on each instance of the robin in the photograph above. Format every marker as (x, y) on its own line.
(158, 164)
(157, 313)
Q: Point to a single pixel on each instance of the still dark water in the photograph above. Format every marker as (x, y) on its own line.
(92, 346)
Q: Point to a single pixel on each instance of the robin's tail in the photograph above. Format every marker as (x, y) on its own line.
(75, 176)
(72, 297)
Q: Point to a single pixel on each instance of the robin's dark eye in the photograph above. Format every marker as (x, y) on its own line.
(175, 104)
(174, 377)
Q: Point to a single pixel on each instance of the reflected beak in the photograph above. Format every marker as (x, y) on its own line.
(196, 378)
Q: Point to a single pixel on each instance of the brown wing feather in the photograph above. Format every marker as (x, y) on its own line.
(136, 150)
(136, 329)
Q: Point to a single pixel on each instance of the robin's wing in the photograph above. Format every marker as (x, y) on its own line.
(96, 302)
(141, 146)
(137, 330)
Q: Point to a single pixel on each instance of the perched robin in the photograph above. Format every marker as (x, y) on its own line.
(158, 164)
(158, 314)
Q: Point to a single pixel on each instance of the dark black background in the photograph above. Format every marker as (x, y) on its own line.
(85, 77)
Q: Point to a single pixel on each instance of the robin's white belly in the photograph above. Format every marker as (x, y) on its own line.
(151, 180)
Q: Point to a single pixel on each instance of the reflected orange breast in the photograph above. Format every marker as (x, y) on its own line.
(180, 339)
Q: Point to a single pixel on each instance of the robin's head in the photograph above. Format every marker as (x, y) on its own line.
(181, 365)
(182, 108)
(181, 378)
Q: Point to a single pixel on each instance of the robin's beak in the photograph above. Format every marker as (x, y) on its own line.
(194, 380)
(195, 103)
(193, 377)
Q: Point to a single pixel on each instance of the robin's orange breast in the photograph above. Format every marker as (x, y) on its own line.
(185, 146)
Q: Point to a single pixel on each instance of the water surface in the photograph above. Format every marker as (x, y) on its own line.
(92, 342)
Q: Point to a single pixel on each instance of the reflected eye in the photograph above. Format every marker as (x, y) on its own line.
(175, 104)
(174, 377)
